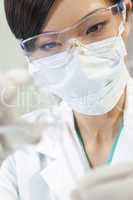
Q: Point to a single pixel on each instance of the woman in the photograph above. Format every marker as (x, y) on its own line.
(78, 53)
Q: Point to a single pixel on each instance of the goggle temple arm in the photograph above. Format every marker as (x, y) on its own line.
(120, 6)
(123, 8)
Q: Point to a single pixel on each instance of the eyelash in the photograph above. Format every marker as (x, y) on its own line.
(48, 46)
(93, 28)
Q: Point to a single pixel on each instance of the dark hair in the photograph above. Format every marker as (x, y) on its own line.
(26, 17)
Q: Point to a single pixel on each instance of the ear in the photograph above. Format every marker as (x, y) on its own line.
(129, 6)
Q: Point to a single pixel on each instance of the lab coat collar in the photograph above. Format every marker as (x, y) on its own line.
(50, 137)
(124, 149)
(69, 164)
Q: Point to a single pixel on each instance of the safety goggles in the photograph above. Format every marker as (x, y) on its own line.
(99, 25)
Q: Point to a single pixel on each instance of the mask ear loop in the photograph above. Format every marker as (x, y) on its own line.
(122, 25)
(126, 7)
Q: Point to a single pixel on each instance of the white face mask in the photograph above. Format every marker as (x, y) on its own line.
(92, 82)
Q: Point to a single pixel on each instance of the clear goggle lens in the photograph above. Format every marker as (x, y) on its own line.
(102, 24)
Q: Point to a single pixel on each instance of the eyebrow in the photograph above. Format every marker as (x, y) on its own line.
(90, 13)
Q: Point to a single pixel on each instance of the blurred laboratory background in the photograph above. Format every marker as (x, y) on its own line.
(10, 53)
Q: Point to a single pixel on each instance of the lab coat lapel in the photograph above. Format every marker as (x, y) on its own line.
(31, 184)
(69, 166)
(124, 149)
(27, 167)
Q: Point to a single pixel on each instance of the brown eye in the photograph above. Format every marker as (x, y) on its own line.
(96, 28)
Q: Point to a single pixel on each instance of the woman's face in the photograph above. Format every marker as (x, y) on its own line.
(55, 54)
(67, 12)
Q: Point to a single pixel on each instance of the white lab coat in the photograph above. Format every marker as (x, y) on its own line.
(51, 169)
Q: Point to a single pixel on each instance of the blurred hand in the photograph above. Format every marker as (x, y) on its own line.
(107, 183)
(13, 132)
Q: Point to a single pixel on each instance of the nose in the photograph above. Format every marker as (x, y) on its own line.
(76, 44)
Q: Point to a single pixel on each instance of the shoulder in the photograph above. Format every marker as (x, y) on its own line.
(24, 154)
(8, 179)
(14, 165)
(15, 170)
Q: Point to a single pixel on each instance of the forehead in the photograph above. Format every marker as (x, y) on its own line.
(67, 12)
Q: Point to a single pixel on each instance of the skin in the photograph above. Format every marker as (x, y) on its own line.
(98, 132)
